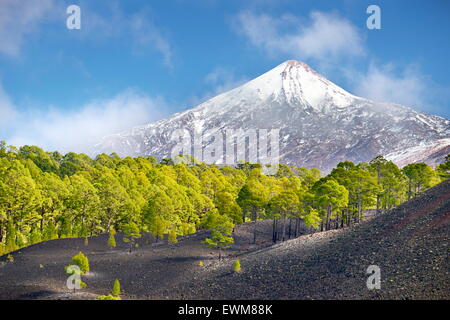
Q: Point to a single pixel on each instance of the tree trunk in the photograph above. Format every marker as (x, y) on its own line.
(409, 189)
(276, 230)
(347, 216)
(284, 229)
(290, 227)
(327, 225)
(254, 217)
(274, 234)
(378, 205)
(378, 196)
(359, 209)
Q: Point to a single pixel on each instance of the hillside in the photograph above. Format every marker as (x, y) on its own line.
(410, 244)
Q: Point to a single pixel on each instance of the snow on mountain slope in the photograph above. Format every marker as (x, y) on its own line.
(320, 123)
(433, 153)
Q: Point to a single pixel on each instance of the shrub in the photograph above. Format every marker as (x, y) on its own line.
(173, 236)
(112, 239)
(35, 236)
(108, 297)
(237, 266)
(82, 284)
(116, 288)
(201, 263)
(131, 233)
(75, 270)
(82, 261)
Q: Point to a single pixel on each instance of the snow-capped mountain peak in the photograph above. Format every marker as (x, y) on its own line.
(295, 82)
(320, 123)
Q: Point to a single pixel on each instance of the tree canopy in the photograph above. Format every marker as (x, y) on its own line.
(46, 195)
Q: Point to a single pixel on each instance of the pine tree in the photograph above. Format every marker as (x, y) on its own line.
(237, 266)
(251, 198)
(330, 196)
(221, 229)
(116, 288)
(44, 196)
(108, 297)
(420, 178)
(131, 233)
(444, 168)
(112, 239)
(35, 236)
(172, 236)
(378, 164)
(81, 261)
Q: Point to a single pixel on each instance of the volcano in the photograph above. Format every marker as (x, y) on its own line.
(320, 124)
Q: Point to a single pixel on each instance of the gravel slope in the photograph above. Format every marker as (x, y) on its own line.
(410, 245)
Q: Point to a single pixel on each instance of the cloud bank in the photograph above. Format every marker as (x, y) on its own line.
(18, 19)
(139, 29)
(79, 130)
(333, 44)
(382, 83)
(7, 108)
(321, 37)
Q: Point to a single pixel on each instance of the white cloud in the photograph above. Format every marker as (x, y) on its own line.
(138, 29)
(332, 42)
(147, 34)
(323, 36)
(408, 87)
(19, 19)
(7, 108)
(79, 130)
(219, 80)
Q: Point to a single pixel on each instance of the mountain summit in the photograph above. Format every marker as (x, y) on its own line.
(320, 123)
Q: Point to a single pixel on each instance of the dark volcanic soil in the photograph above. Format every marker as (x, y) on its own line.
(150, 271)
(410, 245)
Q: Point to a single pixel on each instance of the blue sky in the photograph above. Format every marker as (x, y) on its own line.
(136, 61)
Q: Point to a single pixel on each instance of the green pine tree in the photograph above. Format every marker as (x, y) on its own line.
(237, 265)
(112, 239)
(82, 261)
(116, 288)
(221, 229)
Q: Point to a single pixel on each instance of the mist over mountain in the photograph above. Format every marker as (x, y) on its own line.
(320, 123)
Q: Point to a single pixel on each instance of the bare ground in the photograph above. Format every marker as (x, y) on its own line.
(410, 245)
